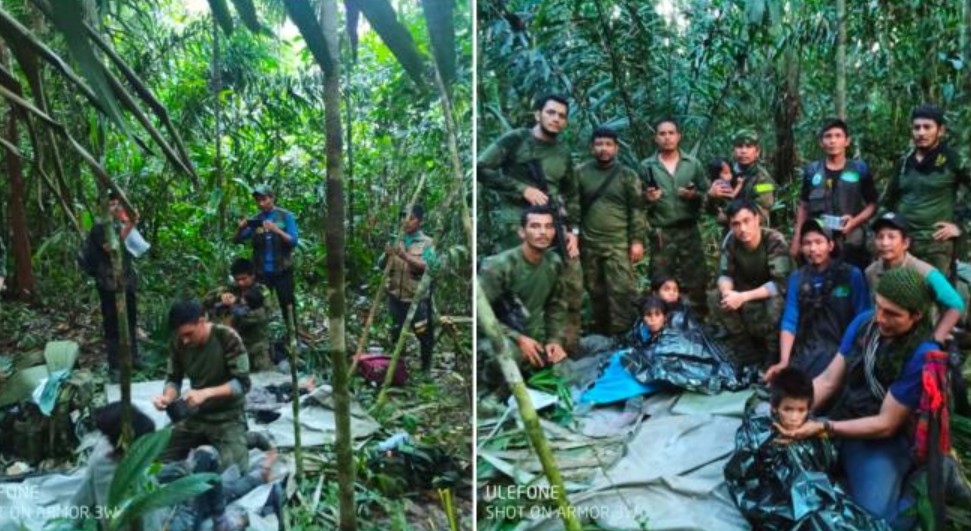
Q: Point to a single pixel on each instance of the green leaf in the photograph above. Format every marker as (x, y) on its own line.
(220, 12)
(395, 36)
(136, 461)
(441, 33)
(167, 495)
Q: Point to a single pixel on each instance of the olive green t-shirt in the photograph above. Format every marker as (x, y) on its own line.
(221, 359)
(537, 286)
(616, 217)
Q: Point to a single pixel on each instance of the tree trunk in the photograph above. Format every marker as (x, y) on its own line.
(23, 286)
(786, 114)
(841, 60)
(116, 248)
(217, 87)
(335, 265)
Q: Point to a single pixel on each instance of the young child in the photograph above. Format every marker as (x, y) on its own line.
(669, 291)
(792, 398)
(654, 314)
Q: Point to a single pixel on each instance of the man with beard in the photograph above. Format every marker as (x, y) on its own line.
(892, 240)
(842, 188)
(924, 192)
(757, 184)
(530, 275)
(675, 184)
(529, 167)
(823, 297)
(612, 231)
(752, 273)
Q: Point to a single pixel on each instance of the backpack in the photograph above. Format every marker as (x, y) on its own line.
(373, 367)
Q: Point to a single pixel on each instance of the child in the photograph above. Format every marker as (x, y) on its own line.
(654, 313)
(669, 291)
(792, 398)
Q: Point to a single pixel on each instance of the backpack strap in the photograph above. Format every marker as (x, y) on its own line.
(599, 192)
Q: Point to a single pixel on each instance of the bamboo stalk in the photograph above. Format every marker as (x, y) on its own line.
(399, 346)
(295, 391)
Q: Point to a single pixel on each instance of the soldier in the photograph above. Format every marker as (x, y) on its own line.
(925, 190)
(215, 360)
(273, 232)
(892, 240)
(757, 185)
(530, 276)
(529, 166)
(840, 188)
(612, 233)
(675, 184)
(243, 306)
(752, 272)
(822, 299)
(409, 261)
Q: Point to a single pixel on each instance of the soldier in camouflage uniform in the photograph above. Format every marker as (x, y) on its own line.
(752, 274)
(612, 233)
(507, 172)
(757, 185)
(925, 190)
(244, 306)
(215, 361)
(410, 260)
(675, 184)
(529, 275)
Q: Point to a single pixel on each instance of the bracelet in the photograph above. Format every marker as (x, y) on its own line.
(827, 427)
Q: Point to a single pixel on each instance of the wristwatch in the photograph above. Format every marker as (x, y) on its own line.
(575, 231)
(827, 427)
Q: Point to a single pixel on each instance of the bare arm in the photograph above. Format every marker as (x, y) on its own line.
(826, 384)
(886, 423)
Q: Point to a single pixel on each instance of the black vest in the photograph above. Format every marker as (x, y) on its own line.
(825, 313)
(282, 260)
(839, 196)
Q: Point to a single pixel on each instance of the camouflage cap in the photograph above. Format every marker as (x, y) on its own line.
(262, 189)
(745, 136)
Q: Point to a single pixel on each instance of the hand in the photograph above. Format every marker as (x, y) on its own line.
(534, 196)
(720, 190)
(228, 299)
(572, 245)
(195, 397)
(636, 252)
(270, 226)
(772, 371)
(687, 193)
(555, 352)
(946, 230)
(532, 350)
(161, 402)
(733, 300)
(794, 248)
(653, 195)
(242, 223)
(811, 428)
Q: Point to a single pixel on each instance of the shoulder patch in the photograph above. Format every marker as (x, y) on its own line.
(817, 179)
(850, 176)
(764, 188)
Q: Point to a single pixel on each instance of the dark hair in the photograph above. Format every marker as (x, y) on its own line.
(540, 210)
(108, 422)
(659, 281)
(114, 196)
(834, 123)
(242, 266)
(253, 298)
(715, 167)
(541, 101)
(666, 120)
(184, 312)
(739, 205)
(653, 302)
(811, 225)
(603, 132)
(418, 211)
(928, 111)
(794, 383)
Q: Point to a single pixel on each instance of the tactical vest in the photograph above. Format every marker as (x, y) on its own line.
(282, 253)
(402, 279)
(837, 197)
(825, 313)
(860, 398)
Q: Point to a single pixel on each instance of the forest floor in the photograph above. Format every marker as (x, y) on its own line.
(434, 409)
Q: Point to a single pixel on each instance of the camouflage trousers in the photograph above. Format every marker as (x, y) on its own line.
(936, 253)
(677, 252)
(228, 437)
(608, 276)
(753, 331)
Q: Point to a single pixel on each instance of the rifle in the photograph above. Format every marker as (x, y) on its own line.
(535, 171)
(511, 312)
(650, 181)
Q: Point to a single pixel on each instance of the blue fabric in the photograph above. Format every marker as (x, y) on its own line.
(846, 346)
(616, 384)
(289, 226)
(875, 471)
(859, 292)
(944, 292)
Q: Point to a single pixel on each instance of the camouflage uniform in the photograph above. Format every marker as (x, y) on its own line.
(925, 193)
(537, 287)
(402, 284)
(219, 422)
(754, 327)
(611, 224)
(251, 324)
(503, 172)
(676, 248)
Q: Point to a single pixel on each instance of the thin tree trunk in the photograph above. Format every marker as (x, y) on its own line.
(489, 325)
(335, 265)
(841, 60)
(217, 111)
(639, 140)
(116, 248)
(420, 291)
(294, 390)
(24, 286)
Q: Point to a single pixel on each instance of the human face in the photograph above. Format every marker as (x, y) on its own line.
(669, 292)
(726, 172)
(654, 320)
(834, 141)
(552, 118)
(746, 226)
(244, 281)
(816, 249)
(792, 412)
(891, 244)
(193, 334)
(411, 224)
(667, 137)
(538, 232)
(265, 202)
(746, 153)
(926, 133)
(605, 150)
(893, 320)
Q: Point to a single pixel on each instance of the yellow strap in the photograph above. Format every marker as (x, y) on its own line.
(763, 188)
